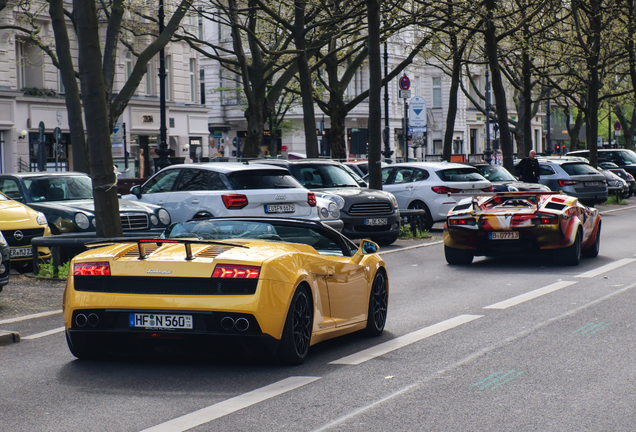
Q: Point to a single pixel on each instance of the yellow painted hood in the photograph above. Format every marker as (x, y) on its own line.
(14, 215)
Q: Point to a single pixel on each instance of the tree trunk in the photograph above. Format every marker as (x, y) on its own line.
(304, 78)
(96, 116)
(375, 100)
(452, 103)
(72, 95)
(526, 119)
(497, 86)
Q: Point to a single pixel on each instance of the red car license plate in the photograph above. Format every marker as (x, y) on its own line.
(504, 235)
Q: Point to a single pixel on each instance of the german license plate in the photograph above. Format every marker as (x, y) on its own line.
(160, 321)
(504, 235)
(591, 183)
(376, 221)
(280, 208)
(21, 252)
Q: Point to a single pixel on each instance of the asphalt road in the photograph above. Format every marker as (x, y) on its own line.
(516, 344)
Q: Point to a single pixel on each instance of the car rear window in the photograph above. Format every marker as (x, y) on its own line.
(460, 175)
(262, 179)
(578, 169)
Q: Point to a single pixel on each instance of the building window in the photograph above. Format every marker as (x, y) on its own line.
(437, 92)
(438, 147)
(201, 23)
(416, 85)
(151, 78)
(168, 67)
(60, 82)
(202, 85)
(458, 146)
(473, 141)
(128, 64)
(193, 80)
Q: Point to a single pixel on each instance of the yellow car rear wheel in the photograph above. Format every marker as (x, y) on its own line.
(294, 345)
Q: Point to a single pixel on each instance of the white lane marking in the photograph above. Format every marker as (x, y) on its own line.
(530, 295)
(402, 341)
(606, 268)
(46, 333)
(28, 317)
(207, 414)
(365, 408)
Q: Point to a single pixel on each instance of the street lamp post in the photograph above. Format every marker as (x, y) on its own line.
(488, 151)
(162, 151)
(387, 131)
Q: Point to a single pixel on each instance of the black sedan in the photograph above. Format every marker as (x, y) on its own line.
(66, 199)
(503, 181)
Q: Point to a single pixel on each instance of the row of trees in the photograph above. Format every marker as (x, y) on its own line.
(580, 54)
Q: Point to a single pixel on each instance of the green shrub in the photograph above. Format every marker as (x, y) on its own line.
(406, 233)
(47, 270)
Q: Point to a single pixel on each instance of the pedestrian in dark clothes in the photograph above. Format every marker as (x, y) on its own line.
(529, 171)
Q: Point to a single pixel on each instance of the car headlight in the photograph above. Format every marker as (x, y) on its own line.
(164, 216)
(512, 189)
(41, 219)
(340, 201)
(3, 241)
(393, 200)
(324, 213)
(81, 220)
(154, 219)
(334, 211)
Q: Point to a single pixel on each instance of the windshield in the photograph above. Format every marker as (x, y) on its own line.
(231, 229)
(628, 157)
(495, 173)
(58, 188)
(262, 179)
(319, 176)
(3, 198)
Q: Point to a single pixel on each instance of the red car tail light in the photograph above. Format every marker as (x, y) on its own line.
(488, 189)
(229, 271)
(234, 201)
(548, 221)
(567, 182)
(311, 199)
(445, 190)
(461, 222)
(91, 269)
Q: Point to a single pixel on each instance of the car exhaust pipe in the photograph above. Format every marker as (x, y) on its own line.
(227, 323)
(242, 324)
(81, 320)
(93, 320)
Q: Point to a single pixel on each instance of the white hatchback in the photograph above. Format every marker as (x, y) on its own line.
(192, 191)
(427, 185)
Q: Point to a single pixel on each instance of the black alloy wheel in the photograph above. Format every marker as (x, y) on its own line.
(297, 332)
(378, 302)
(571, 255)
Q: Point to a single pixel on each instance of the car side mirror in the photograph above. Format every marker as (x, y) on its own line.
(136, 191)
(366, 247)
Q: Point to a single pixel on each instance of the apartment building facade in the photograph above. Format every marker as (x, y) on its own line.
(32, 93)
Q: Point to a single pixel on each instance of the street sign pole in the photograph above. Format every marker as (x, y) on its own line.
(57, 133)
(405, 84)
(41, 154)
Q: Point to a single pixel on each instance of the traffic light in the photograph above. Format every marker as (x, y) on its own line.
(558, 148)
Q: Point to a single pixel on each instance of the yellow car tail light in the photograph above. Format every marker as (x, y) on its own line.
(228, 271)
(91, 269)
(461, 222)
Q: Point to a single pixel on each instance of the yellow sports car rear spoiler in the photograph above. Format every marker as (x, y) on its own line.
(141, 242)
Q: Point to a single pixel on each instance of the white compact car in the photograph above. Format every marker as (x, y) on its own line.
(427, 185)
(192, 191)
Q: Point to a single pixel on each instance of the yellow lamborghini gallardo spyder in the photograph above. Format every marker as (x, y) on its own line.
(19, 224)
(277, 284)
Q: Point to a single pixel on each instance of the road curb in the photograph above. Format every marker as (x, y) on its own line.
(7, 337)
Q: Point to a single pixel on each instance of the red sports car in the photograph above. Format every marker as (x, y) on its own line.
(522, 222)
